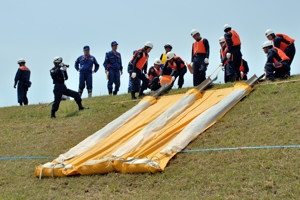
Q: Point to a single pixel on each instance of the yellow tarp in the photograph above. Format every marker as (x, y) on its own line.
(98, 159)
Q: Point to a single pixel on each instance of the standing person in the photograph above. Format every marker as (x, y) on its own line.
(154, 74)
(113, 67)
(129, 70)
(175, 67)
(200, 56)
(163, 57)
(84, 65)
(224, 60)
(283, 42)
(233, 55)
(59, 75)
(139, 69)
(22, 79)
(244, 69)
(277, 65)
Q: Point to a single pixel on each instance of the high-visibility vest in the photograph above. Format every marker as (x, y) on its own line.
(284, 45)
(142, 61)
(24, 68)
(242, 68)
(223, 54)
(281, 54)
(173, 65)
(157, 71)
(235, 39)
(198, 47)
(163, 58)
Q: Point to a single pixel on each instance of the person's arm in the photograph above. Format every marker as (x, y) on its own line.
(17, 77)
(106, 62)
(65, 75)
(270, 56)
(161, 56)
(145, 67)
(206, 44)
(96, 65)
(277, 41)
(121, 66)
(192, 53)
(245, 64)
(77, 64)
(228, 40)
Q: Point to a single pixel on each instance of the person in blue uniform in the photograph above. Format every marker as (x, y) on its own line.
(22, 79)
(113, 67)
(59, 75)
(84, 65)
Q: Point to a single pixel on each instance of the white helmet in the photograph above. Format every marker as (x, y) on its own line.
(21, 60)
(268, 43)
(149, 44)
(57, 59)
(194, 32)
(170, 55)
(222, 39)
(226, 26)
(157, 61)
(269, 32)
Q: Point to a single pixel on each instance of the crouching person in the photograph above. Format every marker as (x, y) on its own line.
(154, 74)
(59, 75)
(277, 65)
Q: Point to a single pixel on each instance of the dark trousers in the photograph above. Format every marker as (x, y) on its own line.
(61, 89)
(135, 82)
(280, 71)
(180, 74)
(199, 69)
(290, 52)
(232, 70)
(85, 78)
(22, 94)
(113, 78)
(154, 84)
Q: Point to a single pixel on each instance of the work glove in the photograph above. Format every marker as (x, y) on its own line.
(133, 75)
(222, 66)
(228, 55)
(147, 76)
(192, 64)
(206, 61)
(242, 73)
(173, 78)
(160, 77)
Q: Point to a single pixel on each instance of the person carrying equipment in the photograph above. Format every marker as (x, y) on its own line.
(84, 65)
(283, 42)
(59, 75)
(233, 54)
(22, 79)
(139, 69)
(113, 67)
(154, 74)
(244, 69)
(277, 65)
(175, 67)
(200, 56)
(163, 57)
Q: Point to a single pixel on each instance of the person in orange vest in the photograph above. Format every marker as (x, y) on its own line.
(175, 67)
(200, 56)
(224, 60)
(22, 79)
(283, 42)
(277, 65)
(244, 69)
(163, 57)
(154, 74)
(233, 54)
(139, 69)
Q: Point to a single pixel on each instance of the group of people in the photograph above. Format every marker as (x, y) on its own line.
(280, 50)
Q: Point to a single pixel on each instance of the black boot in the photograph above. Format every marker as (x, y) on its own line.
(83, 108)
(115, 92)
(110, 91)
(141, 93)
(53, 115)
(133, 95)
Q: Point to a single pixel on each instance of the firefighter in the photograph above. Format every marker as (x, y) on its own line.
(139, 69)
(277, 65)
(200, 57)
(244, 69)
(22, 79)
(233, 54)
(154, 74)
(283, 42)
(175, 67)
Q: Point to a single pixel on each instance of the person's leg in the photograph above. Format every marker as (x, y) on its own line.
(202, 76)
(283, 71)
(20, 94)
(89, 84)
(196, 71)
(145, 83)
(181, 77)
(58, 92)
(237, 60)
(25, 99)
(269, 68)
(229, 72)
(76, 97)
(110, 81)
(117, 82)
(81, 83)
(134, 86)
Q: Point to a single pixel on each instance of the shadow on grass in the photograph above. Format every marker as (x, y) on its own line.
(72, 114)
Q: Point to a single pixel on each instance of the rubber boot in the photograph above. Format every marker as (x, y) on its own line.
(133, 95)
(80, 92)
(110, 91)
(115, 92)
(141, 94)
(53, 115)
(89, 93)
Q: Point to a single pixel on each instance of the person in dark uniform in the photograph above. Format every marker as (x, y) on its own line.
(277, 65)
(22, 79)
(59, 75)
(200, 56)
(129, 70)
(244, 69)
(113, 67)
(154, 74)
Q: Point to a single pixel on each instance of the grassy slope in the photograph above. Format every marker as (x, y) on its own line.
(268, 116)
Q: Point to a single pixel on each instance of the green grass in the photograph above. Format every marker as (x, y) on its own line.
(268, 116)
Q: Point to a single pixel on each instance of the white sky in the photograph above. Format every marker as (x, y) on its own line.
(40, 30)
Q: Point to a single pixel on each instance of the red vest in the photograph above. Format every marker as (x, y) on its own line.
(223, 54)
(24, 68)
(157, 71)
(282, 56)
(142, 61)
(235, 39)
(242, 68)
(284, 45)
(198, 47)
(173, 65)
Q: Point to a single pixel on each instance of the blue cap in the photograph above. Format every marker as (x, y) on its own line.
(86, 48)
(114, 43)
